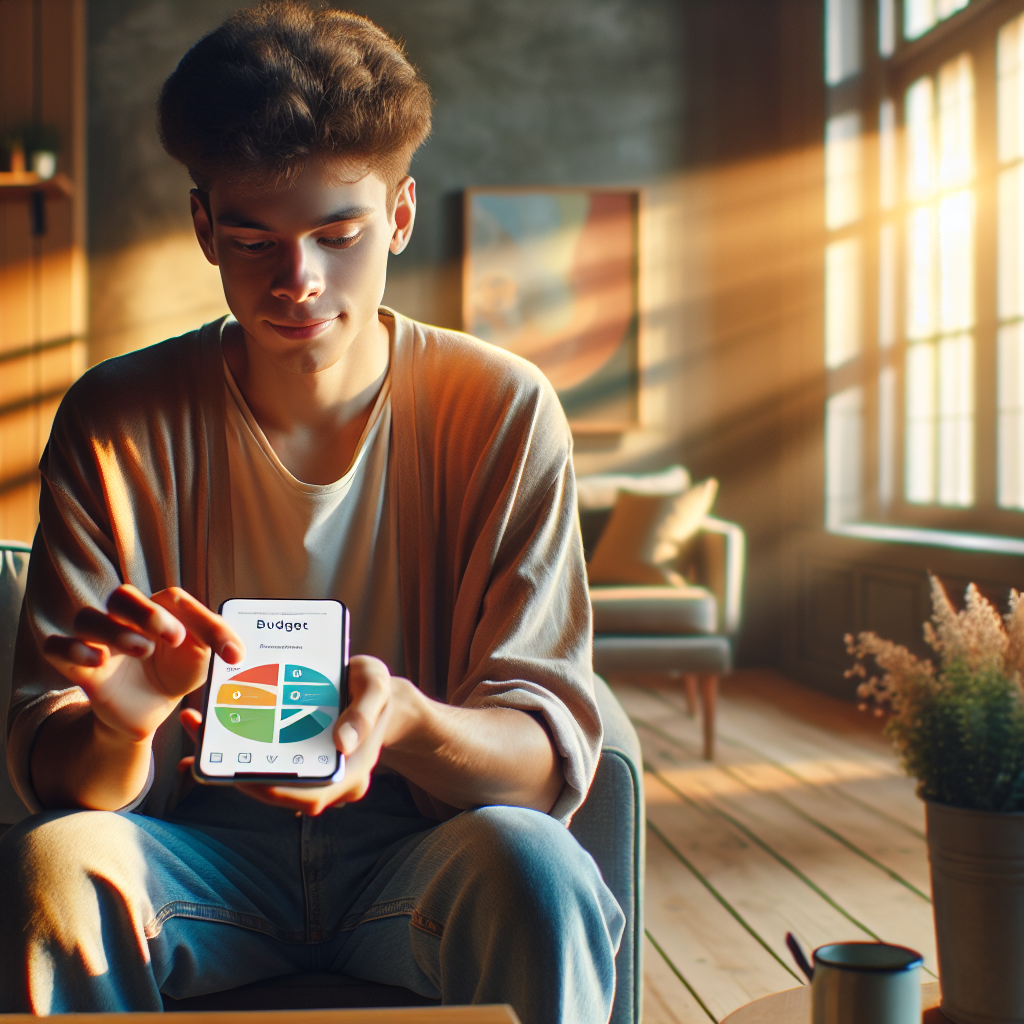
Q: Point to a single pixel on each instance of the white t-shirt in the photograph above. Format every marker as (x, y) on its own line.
(299, 540)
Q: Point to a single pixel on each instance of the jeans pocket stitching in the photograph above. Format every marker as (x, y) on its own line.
(221, 915)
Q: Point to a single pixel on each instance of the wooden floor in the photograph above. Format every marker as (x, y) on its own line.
(804, 823)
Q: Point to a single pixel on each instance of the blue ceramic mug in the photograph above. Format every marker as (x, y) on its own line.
(866, 983)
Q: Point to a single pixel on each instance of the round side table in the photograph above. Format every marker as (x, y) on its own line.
(794, 1007)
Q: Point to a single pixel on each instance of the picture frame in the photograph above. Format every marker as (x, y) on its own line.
(553, 275)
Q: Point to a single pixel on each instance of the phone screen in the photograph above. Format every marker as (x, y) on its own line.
(272, 717)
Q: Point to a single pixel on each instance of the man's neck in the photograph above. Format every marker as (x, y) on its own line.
(313, 420)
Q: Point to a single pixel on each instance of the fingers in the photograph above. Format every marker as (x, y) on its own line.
(205, 625)
(67, 652)
(192, 721)
(92, 625)
(310, 801)
(130, 607)
(369, 685)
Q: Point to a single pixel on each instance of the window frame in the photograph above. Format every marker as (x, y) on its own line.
(973, 30)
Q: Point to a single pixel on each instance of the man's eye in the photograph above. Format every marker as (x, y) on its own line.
(342, 242)
(254, 246)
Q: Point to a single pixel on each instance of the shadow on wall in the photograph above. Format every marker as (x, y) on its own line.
(151, 290)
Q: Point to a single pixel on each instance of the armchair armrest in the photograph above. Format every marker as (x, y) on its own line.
(610, 826)
(717, 560)
(13, 573)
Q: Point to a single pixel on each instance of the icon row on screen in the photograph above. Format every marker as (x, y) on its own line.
(246, 758)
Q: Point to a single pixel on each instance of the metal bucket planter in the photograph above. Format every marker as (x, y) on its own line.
(977, 867)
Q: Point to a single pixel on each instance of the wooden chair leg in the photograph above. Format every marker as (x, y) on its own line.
(709, 704)
(690, 684)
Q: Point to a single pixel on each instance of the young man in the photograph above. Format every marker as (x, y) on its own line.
(312, 445)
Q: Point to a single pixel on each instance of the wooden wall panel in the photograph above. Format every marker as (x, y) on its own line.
(42, 276)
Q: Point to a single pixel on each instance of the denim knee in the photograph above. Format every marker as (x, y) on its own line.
(53, 865)
(528, 868)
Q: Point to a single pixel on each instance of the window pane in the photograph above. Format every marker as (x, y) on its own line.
(1011, 417)
(844, 431)
(956, 421)
(842, 39)
(842, 301)
(920, 297)
(918, 17)
(886, 436)
(886, 27)
(842, 170)
(944, 8)
(956, 262)
(887, 154)
(1011, 240)
(920, 414)
(956, 122)
(920, 117)
(1011, 84)
(887, 286)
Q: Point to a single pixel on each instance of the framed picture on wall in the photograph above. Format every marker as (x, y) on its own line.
(552, 274)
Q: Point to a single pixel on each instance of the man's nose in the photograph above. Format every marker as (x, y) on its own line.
(299, 276)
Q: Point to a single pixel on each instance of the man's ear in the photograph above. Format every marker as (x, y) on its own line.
(404, 216)
(201, 221)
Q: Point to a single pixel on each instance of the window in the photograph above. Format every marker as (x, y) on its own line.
(1010, 358)
(919, 16)
(939, 305)
(924, 265)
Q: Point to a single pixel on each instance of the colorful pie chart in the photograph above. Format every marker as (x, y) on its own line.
(307, 699)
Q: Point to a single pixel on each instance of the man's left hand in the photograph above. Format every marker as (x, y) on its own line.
(359, 734)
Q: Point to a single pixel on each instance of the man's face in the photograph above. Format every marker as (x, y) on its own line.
(304, 265)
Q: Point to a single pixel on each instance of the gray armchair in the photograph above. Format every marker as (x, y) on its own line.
(13, 570)
(610, 825)
(684, 632)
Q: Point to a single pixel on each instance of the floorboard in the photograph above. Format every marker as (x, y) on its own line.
(804, 823)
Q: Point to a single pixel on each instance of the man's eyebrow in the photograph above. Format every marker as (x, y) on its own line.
(350, 213)
(229, 220)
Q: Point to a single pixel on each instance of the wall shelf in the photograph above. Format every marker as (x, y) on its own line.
(21, 184)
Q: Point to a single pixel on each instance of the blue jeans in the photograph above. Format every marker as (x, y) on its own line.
(102, 911)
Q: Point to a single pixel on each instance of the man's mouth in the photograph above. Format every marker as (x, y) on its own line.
(301, 330)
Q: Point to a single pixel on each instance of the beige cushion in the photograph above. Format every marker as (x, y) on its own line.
(599, 490)
(646, 534)
(654, 611)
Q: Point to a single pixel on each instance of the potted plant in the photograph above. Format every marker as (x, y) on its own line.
(32, 147)
(959, 730)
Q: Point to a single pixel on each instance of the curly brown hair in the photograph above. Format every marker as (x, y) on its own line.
(282, 82)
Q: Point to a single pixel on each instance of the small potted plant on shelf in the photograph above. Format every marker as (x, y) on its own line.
(958, 728)
(33, 147)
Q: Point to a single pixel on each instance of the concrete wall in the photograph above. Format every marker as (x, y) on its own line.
(574, 91)
(711, 105)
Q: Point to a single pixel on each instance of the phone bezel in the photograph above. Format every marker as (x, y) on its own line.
(279, 779)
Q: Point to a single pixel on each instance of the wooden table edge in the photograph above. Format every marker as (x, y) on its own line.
(397, 1015)
(793, 1006)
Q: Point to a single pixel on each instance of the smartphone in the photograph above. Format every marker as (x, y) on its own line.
(271, 718)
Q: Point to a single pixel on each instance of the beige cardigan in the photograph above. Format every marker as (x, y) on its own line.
(495, 611)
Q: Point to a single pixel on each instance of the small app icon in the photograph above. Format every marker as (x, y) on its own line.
(235, 717)
(244, 758)
(237, 694)
(297, 759)
(296, 694)
(323, 759)
(271, 758)
(216, 758)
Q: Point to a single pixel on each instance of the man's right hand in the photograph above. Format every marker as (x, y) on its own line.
(135, 662)
(139, 658)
